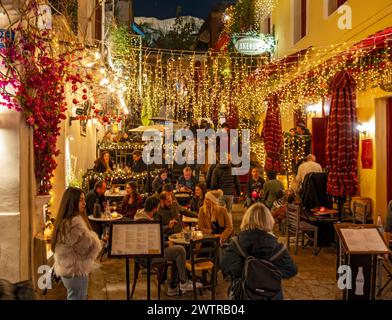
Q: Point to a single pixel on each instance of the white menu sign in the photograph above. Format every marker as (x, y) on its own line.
(134, 239)
(364, 240)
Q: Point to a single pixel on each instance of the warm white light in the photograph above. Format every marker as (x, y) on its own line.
(90, 64)
(102, 70)
(97, 55)
(104, 82)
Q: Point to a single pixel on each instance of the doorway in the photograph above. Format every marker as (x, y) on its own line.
(389, 149)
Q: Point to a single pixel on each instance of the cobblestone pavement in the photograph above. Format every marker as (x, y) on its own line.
(316, 279)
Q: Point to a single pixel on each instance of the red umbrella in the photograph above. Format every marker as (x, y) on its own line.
(272, 136)
(342, 137)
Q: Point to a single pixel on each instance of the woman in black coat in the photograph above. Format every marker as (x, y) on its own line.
(104, 164)
(256, 240)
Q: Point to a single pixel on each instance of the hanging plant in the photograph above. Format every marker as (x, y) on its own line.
(34, 84)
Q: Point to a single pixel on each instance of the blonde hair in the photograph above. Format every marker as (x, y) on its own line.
(212, 211)
(258, 217)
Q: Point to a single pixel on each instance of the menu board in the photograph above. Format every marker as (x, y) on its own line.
(363, 240)
(136, 239)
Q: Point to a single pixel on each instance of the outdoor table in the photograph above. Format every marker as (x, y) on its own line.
(178, 238)
(120, 194)
(190, 220)
(106, 225)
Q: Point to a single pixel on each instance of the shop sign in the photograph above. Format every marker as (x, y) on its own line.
(6, 34)
(386, 83)
(254, 45)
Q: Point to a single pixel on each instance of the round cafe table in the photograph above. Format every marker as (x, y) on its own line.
(178, 238)
(190, 219)
(106, 227)
(106, 220)
(120, 194)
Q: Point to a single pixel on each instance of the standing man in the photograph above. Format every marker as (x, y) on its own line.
(310, 166)
(223, 178)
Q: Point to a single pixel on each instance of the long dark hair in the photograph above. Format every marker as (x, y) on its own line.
(69, 208)
(100, 159)
(134, 194)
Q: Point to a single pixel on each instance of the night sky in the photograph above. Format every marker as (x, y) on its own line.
(164, 9)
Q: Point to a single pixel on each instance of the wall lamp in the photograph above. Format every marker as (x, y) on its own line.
(362, 128)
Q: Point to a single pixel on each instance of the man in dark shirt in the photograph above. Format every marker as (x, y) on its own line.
(186, 182)
(169, 212)
(138, 164)
(94, 196)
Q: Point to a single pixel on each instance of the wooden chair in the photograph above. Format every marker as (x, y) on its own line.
(160, 269)
(204, 259)
(295, 226)
(360, 213)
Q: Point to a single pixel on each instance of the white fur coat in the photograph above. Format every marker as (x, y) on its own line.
(76, 249)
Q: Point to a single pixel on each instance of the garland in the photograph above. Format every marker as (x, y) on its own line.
(34, 84)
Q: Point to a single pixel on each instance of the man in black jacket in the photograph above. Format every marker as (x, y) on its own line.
(97, 195)
(223, 178)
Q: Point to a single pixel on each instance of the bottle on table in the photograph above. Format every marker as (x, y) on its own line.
(97, 212)
(359, 282)
(380, 226)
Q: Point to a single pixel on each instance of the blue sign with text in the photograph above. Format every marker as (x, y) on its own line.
(4, 34)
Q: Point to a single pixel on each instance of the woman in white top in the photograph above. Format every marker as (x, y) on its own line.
(74, 244)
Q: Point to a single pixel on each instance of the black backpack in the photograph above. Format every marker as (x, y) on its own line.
(261, 279)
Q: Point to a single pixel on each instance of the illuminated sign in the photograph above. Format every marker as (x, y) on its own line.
(254, 45)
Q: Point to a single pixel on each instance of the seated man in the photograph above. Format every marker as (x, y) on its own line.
(169, 213)
(138, 164)
(174, 253)
(271, 189)
(96, 195)
(186, 182)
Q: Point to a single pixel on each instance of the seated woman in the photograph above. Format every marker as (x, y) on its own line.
(132, 201)
(104, 164)
(198, 198)
(160, 181)
(255, 184)
(213, 219)
(257, 241)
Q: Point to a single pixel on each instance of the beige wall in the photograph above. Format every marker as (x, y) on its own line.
(323, 33)
(368, 18)
(81, 147)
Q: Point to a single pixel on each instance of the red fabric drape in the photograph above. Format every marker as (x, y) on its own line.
(272, 136)
(342, 138)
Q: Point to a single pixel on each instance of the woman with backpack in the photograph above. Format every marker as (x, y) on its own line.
(257, 242)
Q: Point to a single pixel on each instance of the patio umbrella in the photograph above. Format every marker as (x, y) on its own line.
(272, 136)
(342, 137)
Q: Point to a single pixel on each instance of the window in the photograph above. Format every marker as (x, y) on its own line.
(333, 5)
(300, 13)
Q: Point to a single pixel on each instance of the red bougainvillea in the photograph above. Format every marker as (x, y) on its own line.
(33, 82)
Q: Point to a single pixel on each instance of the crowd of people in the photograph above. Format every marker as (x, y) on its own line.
(77, 241)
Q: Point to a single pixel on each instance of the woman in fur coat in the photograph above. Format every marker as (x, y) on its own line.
(74, 244)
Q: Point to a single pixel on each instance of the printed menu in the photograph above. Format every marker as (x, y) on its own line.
(136, 239)
(363, 240)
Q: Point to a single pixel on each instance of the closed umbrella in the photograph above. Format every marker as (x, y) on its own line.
(272, 136)
(342, 138)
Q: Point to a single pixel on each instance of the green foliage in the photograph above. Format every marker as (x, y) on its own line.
(122, 39)
(243, 16)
